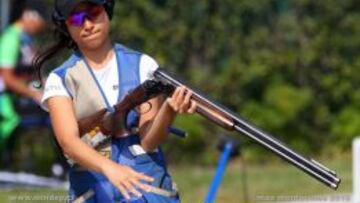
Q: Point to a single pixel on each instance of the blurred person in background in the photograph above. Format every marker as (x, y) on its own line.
(16, 54)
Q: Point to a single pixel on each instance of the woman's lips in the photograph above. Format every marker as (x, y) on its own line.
(91, 35)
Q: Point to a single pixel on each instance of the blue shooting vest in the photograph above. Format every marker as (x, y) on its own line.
(127, 151)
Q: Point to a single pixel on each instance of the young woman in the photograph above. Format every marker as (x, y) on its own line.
(98, 75)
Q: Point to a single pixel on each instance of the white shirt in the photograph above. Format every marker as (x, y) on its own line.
(106, 76)
(2, 85)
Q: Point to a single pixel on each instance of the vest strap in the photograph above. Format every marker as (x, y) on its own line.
(166, 193)
(84, 197)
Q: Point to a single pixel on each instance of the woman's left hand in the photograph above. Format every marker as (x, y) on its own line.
(181, 102)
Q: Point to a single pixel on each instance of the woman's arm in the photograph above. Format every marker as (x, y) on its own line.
(154, 125)
(18, 85)
(67, 134)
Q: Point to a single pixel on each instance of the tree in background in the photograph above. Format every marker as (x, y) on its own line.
(290, 67)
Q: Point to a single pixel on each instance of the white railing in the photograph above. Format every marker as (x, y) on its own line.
(32, 180)
(356, 170)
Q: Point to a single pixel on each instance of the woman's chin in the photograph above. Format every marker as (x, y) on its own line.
(92, 43)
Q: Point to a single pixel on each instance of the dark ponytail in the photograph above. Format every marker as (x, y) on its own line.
(63, 41)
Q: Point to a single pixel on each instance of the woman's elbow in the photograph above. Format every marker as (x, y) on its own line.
(66, 146)
(147, 145)
(151, 143)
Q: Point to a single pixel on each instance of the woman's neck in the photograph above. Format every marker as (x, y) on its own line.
(19, 24)
(100, 56)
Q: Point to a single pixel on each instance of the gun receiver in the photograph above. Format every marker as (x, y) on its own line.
(109, 123)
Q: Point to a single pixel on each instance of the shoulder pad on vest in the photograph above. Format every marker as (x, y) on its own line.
(69, 63)
(120, 47)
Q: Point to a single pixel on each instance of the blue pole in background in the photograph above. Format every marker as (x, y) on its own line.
(219, 173)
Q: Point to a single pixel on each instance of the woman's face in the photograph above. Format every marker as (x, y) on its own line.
(88, 26)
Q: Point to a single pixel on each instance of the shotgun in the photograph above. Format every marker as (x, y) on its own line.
(230, 121)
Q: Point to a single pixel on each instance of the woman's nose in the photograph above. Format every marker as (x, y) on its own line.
(88, 25)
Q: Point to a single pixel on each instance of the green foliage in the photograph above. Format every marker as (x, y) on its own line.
(290, 67)
(35, 150)
(192, 148)
(346, 126)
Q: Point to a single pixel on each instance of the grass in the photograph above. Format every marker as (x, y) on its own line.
(265, 180)
(269, 180)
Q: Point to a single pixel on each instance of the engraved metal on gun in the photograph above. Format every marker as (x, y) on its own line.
(98, 141)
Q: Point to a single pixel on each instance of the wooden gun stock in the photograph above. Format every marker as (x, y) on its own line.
(111, 123)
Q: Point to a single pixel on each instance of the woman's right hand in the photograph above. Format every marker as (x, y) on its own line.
(126, 179)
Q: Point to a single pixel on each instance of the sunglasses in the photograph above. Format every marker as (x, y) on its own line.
(77, 18)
